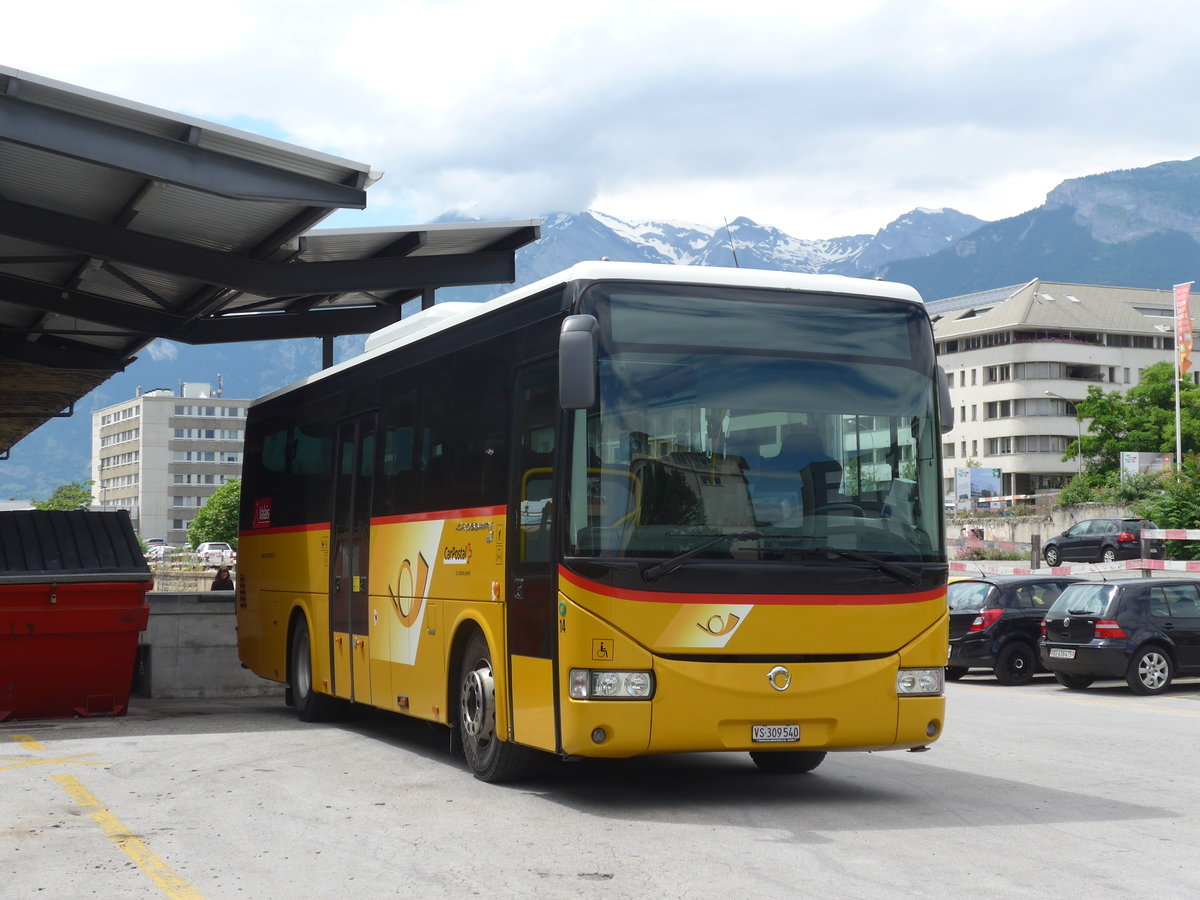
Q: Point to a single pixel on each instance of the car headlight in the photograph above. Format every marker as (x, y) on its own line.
(607, 684)
(920, 682)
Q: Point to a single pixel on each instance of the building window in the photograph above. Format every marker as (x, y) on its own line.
(1042, 443)
(948, 450)
(998, 409)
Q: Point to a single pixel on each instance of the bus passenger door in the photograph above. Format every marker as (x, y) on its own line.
(530, 582)
(349, 560)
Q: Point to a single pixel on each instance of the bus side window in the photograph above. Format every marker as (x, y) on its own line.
(483, 383)
(401, 448)
(437, 401)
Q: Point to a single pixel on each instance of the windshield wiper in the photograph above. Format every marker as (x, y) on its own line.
(666, 567)
(912, 579)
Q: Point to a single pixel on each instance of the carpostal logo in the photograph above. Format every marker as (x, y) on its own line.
(456, 556)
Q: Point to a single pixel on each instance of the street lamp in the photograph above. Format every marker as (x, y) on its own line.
(1078, 428)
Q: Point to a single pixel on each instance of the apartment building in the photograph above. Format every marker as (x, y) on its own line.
(162, 454)
(1019, 358)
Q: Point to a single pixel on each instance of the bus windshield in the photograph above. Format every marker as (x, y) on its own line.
(788, 421)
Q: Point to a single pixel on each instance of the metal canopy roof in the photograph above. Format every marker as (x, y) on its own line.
(120, 223)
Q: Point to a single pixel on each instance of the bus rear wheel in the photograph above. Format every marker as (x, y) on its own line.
(787, 762)
(490, 758)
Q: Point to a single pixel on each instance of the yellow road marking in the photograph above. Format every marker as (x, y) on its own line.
(28, 741)
(151, 864)
(73, 760)
(1101, 701)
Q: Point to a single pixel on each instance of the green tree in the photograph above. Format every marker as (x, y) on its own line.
(77, 495)
(1094, 486)
(217, 520)
(1176, 505)
(1141, 419)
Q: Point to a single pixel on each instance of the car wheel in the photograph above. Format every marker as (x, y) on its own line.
(490, 758)
(954, 673)
(1015, 664)
(1074, 682)
(1052, 556)
(1108, 554)
(1150, 671)
(788, 762)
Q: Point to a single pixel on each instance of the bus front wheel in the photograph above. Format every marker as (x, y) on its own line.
(788, 762)
(490, 758)
(310, 706)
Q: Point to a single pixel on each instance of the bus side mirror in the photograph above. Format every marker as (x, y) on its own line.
(945, 409)
(577, 362)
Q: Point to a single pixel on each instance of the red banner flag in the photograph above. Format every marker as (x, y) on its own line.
(1183, 326)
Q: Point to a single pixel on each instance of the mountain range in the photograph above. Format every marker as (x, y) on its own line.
(1128, 228)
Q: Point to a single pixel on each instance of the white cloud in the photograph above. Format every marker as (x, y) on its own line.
(160, 350)
(824, 119)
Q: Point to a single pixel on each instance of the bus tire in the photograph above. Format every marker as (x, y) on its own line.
(787, 762)
(310, 705)
(491, 759)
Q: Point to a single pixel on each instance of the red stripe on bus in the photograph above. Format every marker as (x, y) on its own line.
(285, 529)
(751, 599)
(475, 513)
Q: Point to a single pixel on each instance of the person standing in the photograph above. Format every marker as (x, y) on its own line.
(223, 580)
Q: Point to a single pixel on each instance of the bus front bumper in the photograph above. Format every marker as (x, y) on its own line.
(716, 705)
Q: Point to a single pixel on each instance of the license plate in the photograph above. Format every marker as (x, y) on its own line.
(1060, 653)
(774, 734)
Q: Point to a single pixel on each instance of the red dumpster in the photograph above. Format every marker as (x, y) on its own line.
(72, 602)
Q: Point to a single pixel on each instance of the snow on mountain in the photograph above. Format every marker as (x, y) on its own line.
(568, 238)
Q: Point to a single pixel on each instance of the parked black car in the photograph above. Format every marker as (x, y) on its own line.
(1102, 540)
(995, 623)
(1145, 630)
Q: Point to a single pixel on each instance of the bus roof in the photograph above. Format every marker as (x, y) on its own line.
(446, 315)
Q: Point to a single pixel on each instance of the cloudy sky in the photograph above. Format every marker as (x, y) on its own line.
(821, 118)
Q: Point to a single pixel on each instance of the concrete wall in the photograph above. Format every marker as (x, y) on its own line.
(189, 649)
(1020, 529)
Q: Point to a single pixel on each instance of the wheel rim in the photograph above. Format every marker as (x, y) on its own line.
(478, 705)
(1110, 555)
(1017, 664)
(302, 665)
(1153, 670)
(1052, 557)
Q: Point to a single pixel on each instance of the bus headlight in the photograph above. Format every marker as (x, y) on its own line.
(920, 682)
(605, 684)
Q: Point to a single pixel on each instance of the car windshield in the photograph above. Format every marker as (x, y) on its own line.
(968, 595)
(1084, 600)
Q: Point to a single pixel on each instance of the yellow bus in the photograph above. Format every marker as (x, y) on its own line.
(630, 509)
